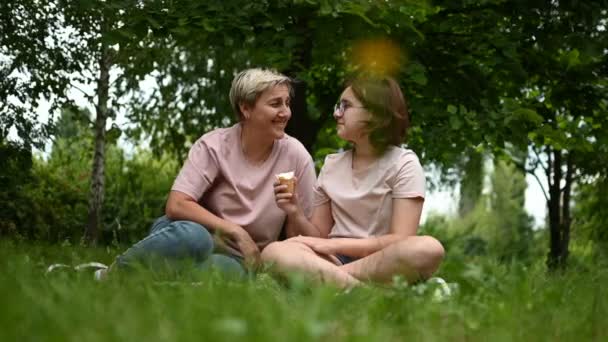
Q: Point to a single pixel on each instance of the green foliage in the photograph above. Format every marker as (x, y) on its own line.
(590, 228)
(512, 226)
(471, 181)
(50, 202)
(497, 227)
(476, 72)
(48, 48)
(27, 66)
(15, 174)
(491, 75)
(136, 193)
(198, 47)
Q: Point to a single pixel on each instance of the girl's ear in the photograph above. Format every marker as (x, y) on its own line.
(245, 110)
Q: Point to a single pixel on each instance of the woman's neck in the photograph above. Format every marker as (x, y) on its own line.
(256, 148)
(364, 154)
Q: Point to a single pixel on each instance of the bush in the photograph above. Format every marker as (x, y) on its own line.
(15, 174)
(49, 199)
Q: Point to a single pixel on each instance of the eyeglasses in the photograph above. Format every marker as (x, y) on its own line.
(342, 106)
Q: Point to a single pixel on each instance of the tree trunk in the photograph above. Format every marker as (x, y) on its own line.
(559, 209)
(566, 219)
(301, 126)
(97, 176)
(471, 183)
(554, 177)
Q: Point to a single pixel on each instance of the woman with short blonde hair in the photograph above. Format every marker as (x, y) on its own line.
(248, 85)
(221, 209)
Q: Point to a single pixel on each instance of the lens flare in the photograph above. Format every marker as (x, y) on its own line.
(377, 56)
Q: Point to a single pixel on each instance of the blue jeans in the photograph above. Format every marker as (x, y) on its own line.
(174, 241)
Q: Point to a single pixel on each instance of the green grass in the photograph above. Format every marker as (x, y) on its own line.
(494, 303)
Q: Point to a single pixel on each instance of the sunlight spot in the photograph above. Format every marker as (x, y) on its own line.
(377, 56)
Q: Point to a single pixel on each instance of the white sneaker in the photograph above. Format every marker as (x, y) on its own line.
(101, 274)
(89, 265)
(56, 267)
(100, 269)
(443, 290)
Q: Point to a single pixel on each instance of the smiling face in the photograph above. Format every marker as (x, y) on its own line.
(270, 113)
(351, 117)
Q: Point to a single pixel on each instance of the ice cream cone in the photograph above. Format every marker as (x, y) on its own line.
(287, 178)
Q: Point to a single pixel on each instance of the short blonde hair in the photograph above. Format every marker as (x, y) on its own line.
(249, 84)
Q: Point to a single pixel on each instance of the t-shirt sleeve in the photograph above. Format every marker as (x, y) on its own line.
(320, 195)
(306, 181)
(199, 171)
(409, 181)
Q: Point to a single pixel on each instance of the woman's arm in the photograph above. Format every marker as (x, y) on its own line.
(404, 223)
(320, 222)
(183, 207)
(319, 225)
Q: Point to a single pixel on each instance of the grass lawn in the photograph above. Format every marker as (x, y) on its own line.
(493, 303)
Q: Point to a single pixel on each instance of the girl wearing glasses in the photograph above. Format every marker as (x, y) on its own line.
(368, 200)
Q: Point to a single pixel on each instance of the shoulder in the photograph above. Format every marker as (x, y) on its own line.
(400, 157)
(338, 157)
(294, 149)
(399, 162)
(212, 145)
(333, 161)
(406, 176)
(293, 145)
(216, 139)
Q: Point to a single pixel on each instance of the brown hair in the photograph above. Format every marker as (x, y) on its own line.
(383, 99)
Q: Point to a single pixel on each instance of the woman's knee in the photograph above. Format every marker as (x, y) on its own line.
(424, 253)
(159, 224)
(283, 251)
(272, 251)
(194, 237)
(226, 265)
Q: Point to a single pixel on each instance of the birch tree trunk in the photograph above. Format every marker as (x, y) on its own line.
(93, 227)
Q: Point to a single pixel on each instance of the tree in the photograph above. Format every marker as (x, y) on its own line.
(210, 41)
(15, 173)
(532, 78)
(46, 198)
(471, 183)
(565, 96)
(490, 76)
(590, 215)
(511, 224)
(56, 46)
(25, 62)
(471, 70)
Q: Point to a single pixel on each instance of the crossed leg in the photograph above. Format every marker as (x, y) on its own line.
(290, 256)
(415, 257)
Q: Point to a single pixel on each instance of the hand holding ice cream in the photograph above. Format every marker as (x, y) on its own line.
(287, 178)
(284, 192)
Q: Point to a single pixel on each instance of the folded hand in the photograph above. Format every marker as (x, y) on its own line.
(249, 249)
(319, 245)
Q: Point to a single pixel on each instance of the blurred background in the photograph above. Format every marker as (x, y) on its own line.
(101, 100)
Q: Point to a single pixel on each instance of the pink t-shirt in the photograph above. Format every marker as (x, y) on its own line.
(219, 177)
(361, 201)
